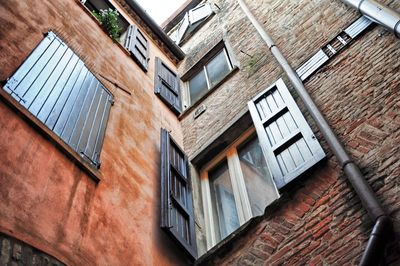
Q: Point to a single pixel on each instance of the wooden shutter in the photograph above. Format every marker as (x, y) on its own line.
(166, 86)
(199, 13)
(287, 141)
(176, 195)
(56, 87)
(137, 44)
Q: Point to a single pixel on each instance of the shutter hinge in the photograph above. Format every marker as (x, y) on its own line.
(96, 164)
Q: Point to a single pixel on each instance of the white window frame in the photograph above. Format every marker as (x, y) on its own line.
(209, 87)
(242, 201)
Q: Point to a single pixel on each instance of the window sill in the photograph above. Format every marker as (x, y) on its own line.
(50, 135)
(122, 48)
(208, 93)
(231, 242)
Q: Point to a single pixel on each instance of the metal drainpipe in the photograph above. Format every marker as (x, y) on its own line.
(368, 199)
(377, 12)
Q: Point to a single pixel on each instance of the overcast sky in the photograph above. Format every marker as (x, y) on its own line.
(160, 10)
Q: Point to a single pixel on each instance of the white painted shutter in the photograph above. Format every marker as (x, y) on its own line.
(287, 141)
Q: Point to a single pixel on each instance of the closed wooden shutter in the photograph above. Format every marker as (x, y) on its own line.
(167, 86)
(287, 141)
(176, 195)
(57, 88)
(137, 44)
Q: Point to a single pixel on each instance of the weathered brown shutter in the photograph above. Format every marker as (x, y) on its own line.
(166, 86)
(287, 141)
(137, 44)
(57, 88)
(176, 195)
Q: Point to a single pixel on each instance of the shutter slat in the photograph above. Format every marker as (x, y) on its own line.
(89, 120)
(100, 136)
(30, 62)
(59, 92)
(83, 114)
(56, 87)
(95, 128)
(177, 217)
(167, 86)
(286, 139)
(32, 83)
(50, 84)
(77, 106)
(72, 97)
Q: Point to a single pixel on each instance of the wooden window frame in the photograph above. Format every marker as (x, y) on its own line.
(201, 64)
(242, 201)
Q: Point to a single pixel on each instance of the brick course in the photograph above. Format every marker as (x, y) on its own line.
(320, 220)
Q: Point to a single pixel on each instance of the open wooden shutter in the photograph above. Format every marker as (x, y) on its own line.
(137, 44)
(57, 88)
(287, 141)
(166, 84)
(199, 13)
(176, 195)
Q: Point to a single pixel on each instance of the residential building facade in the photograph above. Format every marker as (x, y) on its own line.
(189, 144)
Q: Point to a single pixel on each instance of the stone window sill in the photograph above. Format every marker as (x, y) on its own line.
(50, 135)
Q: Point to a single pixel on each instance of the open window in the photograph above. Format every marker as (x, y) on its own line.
(130, 36)
(192, 20)
(244, 178)
(98, 5)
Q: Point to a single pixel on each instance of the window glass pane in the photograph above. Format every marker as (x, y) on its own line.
(223, 202)
(259, 183)
(197, 86)
(218, 68)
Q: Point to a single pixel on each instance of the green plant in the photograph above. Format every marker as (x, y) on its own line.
(108, 18)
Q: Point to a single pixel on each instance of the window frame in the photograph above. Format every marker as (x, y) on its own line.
(200, 65)
(242, 200)
(208, 81)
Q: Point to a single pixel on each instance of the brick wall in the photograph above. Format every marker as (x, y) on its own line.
(319, 219)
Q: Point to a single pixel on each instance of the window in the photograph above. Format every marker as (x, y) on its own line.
(55, 86)
(236, 186)
(245, 178)
(191, 21)
(97, 5)
(210, 74)
(177, 218)
(131, 37)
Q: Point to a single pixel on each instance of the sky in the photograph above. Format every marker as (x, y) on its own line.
(160, 10)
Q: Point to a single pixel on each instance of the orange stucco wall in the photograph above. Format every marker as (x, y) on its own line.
(49, 202)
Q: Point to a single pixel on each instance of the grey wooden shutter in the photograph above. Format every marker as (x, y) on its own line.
(57, 88)
(137, 44)
(167, 86)
(176, 195)
(287, 141)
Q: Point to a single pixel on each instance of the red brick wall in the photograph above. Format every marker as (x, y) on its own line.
(319, 220)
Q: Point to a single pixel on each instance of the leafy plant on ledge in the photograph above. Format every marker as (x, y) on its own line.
(108, 18)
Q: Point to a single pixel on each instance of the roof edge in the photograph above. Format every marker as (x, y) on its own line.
(175, 49)
(177, 16)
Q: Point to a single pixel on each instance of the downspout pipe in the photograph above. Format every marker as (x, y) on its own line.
(378, 13)
(352, 171)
